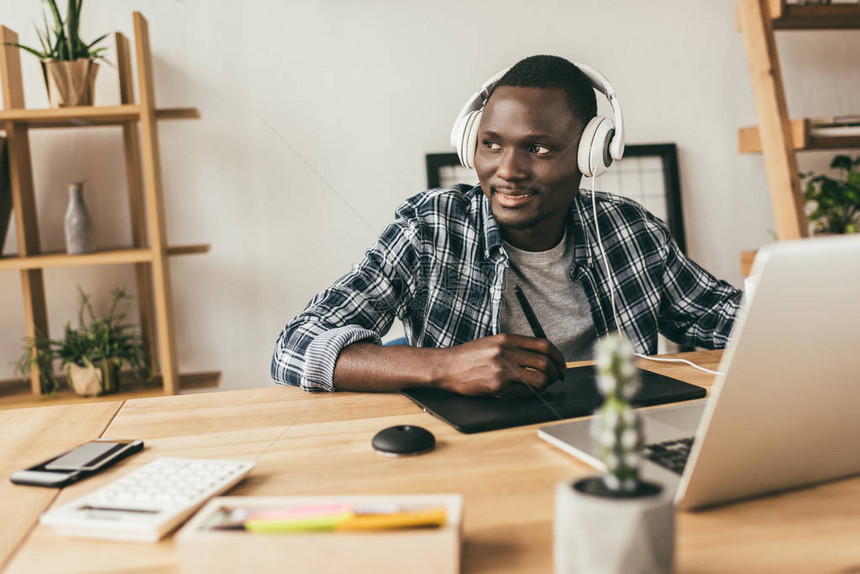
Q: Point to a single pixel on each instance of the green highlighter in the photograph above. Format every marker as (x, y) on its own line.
(340, 518)
(308, 523)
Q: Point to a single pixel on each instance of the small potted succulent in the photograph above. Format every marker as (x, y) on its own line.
(833, 205)
(69, 65)
(615, 523)
(93, 354)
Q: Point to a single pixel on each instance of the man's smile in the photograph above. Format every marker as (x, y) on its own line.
(514, 197)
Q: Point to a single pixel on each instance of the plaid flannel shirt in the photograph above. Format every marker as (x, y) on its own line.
(440, 267)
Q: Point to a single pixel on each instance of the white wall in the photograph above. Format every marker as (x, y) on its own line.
(360, 91)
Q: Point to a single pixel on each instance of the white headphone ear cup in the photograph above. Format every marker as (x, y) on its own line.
(470, 139)
(592, 156)
(460, 134)
(583, 152)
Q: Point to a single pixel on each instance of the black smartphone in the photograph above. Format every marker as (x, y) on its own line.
(80, 462)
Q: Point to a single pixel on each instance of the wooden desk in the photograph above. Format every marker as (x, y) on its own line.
(320, 444)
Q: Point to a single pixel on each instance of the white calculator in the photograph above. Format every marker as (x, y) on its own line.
(147, 503)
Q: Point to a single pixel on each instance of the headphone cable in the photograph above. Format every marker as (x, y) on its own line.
(612, 289)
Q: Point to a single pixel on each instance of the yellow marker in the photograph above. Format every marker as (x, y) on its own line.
(425, 518)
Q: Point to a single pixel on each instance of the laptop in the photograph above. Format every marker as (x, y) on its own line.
(785, 410)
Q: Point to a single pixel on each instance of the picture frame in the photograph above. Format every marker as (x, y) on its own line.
(5, 193)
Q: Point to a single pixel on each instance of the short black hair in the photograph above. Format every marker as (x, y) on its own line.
(555, 72)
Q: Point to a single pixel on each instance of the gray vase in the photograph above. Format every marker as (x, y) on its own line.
(597, 534)
(79, 226)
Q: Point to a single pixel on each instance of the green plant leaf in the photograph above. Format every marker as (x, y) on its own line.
(96, 41)
(841, 162)
(71, 30)
(55, 11)
(49, 44)
(43, 42)
(27, 49)
(61, 40)
(58, 28)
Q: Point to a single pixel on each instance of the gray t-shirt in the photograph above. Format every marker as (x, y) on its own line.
(558, 302)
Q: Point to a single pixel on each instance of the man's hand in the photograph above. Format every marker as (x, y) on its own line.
(500, 366)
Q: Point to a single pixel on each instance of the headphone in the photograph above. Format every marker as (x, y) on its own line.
(602, 140)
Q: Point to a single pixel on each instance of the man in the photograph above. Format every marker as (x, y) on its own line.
(448, 265)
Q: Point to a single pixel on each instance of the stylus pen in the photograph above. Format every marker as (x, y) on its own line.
(531, 318)
(530, 314)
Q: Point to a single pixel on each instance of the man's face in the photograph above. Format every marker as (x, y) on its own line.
(526, 163)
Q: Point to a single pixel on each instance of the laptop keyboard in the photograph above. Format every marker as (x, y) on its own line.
(671, 454)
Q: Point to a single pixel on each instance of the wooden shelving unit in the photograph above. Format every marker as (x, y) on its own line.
(149, 251)
(777, 137)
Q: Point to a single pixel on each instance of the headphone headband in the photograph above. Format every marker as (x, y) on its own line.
(475, 103)
(603, 136)
(602, 85)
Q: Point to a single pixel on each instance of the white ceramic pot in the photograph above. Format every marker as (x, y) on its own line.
(89, 382)
(604, 535)
(86, 381)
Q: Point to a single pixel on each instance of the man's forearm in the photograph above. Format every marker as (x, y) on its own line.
(370, 367)
(500, 365)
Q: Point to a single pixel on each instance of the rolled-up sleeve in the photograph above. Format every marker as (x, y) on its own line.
(360, 306)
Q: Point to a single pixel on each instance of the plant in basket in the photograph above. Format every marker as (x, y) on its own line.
(94, 353)
(69, 64)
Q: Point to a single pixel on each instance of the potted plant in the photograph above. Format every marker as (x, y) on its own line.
(93, 354)
(833, 205)
(69, 65)
(615, 523)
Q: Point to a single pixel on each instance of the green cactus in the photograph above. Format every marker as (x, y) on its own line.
(616, 427)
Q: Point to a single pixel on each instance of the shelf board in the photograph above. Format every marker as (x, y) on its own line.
(191, 249)
(802, 138)
(101, 257)
(817, 17)
(15, 393)
(89, 116)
